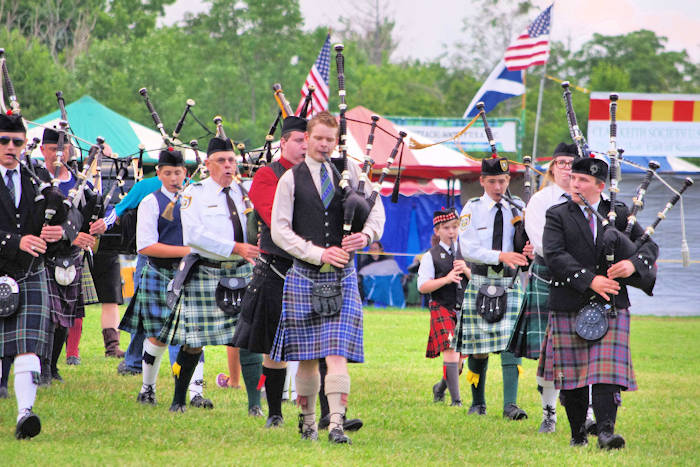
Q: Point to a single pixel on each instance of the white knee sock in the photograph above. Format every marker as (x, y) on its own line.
(196, 386)
(292, 368)
(549, 394)
(25, 386)
(152, 355)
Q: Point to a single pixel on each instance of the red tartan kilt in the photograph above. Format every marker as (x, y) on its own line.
(442, 329)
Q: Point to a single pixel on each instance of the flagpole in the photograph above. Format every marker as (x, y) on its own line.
(522, 117)
(539, 109)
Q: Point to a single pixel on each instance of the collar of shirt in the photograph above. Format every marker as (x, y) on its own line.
(583, 208)
(313, 164)
(490, 202)
(171, 196)
(286, 163)
(3, 171)
(445, 246)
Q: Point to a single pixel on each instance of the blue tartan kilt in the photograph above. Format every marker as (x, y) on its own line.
(304, 335)
(531, 325)
(66, 301)
(196, 320)
(474, 335)
(27, 331)
(147, 311)
(572, 362)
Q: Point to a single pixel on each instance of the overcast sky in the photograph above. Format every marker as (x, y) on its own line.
(424, 27)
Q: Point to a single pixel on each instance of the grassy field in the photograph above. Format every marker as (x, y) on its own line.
(93, 417)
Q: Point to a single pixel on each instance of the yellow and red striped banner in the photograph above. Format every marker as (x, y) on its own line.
(647, 107)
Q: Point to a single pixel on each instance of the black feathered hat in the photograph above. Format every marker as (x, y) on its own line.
(444, 215)
(593, 166)
(494, 166)
(171, 157)
(564, 149)
(293, 123)
(12, 124)
(50, 136)
(217, 144)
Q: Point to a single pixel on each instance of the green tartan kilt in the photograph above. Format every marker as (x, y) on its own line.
(531, 326)
(197, 320)
(88, 285)
(147, 311)
(476, 336)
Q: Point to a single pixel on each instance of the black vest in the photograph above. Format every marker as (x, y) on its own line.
(311, 221)
(169, 232)
(266, 243)
(449, 296)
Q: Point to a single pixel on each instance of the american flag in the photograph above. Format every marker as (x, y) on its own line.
(532, 46)
(318, 76)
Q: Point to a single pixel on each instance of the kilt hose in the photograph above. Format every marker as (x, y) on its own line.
(476, 336)
(87, 284)
(27, 331)
(66, 301)
(196, 320)
(531, 326)
(572, 362)
(304, 335)
(262, 306)
(442, 329)
(147, 310)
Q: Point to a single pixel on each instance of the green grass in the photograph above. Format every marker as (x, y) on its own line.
(93, 417)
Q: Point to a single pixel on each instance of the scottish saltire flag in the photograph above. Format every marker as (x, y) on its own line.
(318, 76)
(499, 86)
(532, 46)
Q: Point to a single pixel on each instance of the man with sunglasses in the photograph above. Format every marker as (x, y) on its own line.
(24, 327)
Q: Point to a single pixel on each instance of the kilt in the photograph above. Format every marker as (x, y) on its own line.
(260, 315)
(304, 335)
(531, 325)
(27, 331)
(476, 336)
(88, 285)
(572, 362)
(442, 329)
(66, 301)
(107, 278)
(197, 320)
(147, 310)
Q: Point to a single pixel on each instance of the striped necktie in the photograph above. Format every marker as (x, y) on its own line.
(327, 190)
(11, 185)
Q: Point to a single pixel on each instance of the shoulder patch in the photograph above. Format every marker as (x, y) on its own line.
(185, 202)
(464, 220)
(474, 200)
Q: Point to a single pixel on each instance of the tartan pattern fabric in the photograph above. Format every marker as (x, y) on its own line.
(572, 362)
(65, 301)
(147, 311)
(531, 326)
(88, 286)
(27, 331)
(442, 329)
(476, 336)
(197, 320)
(304, 335)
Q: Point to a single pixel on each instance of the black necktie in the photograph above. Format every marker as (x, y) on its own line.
(497, 237)
(11, 185)
(237, 228)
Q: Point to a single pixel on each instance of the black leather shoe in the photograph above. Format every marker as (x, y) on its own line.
(352, 424)
(610, 441)
(56, 376)
(3, 393)
(274, 421)
(179, 408)
(147, 397)
(549, 423)
(591, 427)
(201, 402)
(324, 422)
(438, 395)
(123, 370)
(579, 442)
(477, 410)
(72, 360)
(28, 426)
(513, 412)
(337, 436)
(307, 432)
(255, 411)
(456, 404)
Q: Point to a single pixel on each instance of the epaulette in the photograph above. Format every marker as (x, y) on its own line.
(474, 200)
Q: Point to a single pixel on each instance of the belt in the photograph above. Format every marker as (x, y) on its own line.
(275, 260)
(17, 274)
(483, 270)
(540, 260)
(210, 263)
(164, 263)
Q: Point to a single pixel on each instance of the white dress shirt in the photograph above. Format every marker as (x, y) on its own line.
(206, 223)
(283, 212)
(535, 213)
(476, 230)
(426, 270)
(16, 179)
(147, 220)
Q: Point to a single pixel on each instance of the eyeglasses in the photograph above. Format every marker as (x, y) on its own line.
(563, 164)
(5, 140)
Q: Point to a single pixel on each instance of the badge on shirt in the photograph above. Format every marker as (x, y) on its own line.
(442, 255)
(464, 221)
(186, 201)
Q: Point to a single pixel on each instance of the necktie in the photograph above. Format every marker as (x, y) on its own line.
(11, 185)
(237, 228)
(327, 190)
(497, 238)
(591, 221)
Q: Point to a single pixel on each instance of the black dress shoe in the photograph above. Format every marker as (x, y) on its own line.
(179, 408)
(352, 424)
(324, 422)
(479, 409)
(579, 442)
(591, 427)
(72, 360)
(513, 412)
(255, 411)
(457, 403)
(147, 397)
(308, 432)
(274, 421)
(337, 436)
(610, 441)
(201, 402)
(123, 370)
(28, 426)
(3, 393)
(56, 376)
(438, 392)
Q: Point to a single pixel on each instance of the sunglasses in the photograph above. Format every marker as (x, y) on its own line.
(5, 140)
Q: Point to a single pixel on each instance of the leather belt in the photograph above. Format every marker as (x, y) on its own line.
(540, 260)
(210, 263)
(483, 270)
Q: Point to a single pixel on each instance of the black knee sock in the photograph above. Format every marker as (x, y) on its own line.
(322, 399)
(274, 385)
(606, 398)
(6, 366)
(183, 369)
(59, 338)
(251, 369)
(576, 404)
